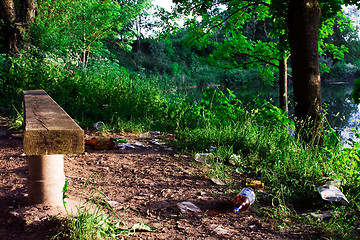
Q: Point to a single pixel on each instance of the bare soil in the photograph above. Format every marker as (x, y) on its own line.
(144, 184)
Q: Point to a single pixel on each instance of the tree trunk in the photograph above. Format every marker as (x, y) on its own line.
(27, 13)
(16, 20)
(138, 35)
(9, 31)
(283, 80)
(283, 91)
(303, 23)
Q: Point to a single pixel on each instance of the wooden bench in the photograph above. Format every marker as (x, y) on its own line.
(49, 133)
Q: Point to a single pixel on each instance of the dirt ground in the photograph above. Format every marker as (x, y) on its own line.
(143, 184)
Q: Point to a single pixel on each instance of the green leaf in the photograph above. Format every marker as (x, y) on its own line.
(142, 227)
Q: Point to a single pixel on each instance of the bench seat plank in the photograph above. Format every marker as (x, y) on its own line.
(48, 128)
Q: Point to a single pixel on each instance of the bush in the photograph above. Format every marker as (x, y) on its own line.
(104, 91)
(341, 71)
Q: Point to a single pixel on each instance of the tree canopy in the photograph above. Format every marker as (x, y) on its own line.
(81, 25)
(288, 27)
(63, 26)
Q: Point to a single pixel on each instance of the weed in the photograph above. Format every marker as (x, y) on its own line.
(16, 122)
(265, 149)
(94, 219)
(64, 191)
(257, 132)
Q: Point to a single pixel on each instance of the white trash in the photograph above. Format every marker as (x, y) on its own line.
(329, 192)
(203, 157)
(188, 208)
(99, 126)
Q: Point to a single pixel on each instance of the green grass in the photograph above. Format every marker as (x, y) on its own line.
(291, 172)
(94, 219)
(290, 169)
(258, 133)
(103, 92)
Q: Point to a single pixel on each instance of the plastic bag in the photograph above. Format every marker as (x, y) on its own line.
(329, 192)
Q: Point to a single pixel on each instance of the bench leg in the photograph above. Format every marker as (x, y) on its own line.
(46, 179)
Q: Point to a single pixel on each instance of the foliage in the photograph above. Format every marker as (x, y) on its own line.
(170, 61)
(94, 219)
(215, 108)
(341, 71)
(356, 90)
(223, 26)
(140, 90)
(102, 92)
(267, 150)
(242, 34)
(79, 26)
(237, 33)
(229, 122)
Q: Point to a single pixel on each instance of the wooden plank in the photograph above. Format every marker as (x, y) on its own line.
(48, 128)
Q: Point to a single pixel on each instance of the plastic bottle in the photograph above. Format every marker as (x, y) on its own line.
(243, 200)
(203, 157)
(102, 143)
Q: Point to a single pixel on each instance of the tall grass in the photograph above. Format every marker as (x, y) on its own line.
(258, 133)
(291, 170)
(102, 92)
(94, 218)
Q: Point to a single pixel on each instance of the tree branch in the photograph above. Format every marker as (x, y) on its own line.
(221, 23)
(257, 57)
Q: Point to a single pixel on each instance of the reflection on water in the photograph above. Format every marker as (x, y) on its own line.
(349, 131)
(342, 113)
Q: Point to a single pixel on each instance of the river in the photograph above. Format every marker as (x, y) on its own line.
(343, 114)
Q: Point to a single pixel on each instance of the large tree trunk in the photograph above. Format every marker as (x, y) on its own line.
(16, 20)
(10, 33)
(303, 23)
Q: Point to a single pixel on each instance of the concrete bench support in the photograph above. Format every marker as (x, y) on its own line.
(46, 179)
(49, 133)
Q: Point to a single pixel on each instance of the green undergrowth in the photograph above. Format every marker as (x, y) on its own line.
(266, 149)
(103, 91)
(259, 134)
(94, 218)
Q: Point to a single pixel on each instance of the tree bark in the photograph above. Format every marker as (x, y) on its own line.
(283, 90)
(16, 20)
(283, 80)
(303, 23)
(9, 31)
(138, 34)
